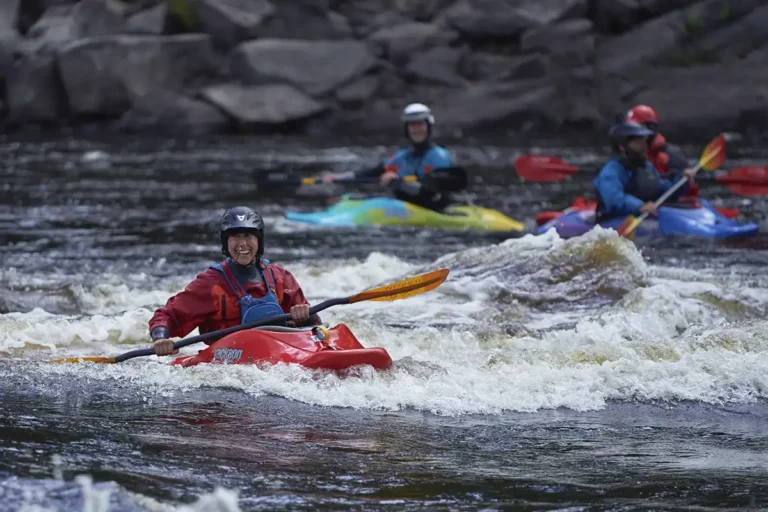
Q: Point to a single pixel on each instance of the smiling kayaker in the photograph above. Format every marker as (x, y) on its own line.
(629, 184)
(243, 288)
(419, 160)
(667, 158)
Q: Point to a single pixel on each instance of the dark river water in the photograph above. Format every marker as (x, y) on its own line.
(544, 374)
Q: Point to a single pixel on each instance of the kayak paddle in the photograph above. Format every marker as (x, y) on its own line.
(746, 181)
(712, 157)
(446, 179)
(545, 169)
(395, 291)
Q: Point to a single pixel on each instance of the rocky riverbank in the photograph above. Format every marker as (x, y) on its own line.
(207, 66)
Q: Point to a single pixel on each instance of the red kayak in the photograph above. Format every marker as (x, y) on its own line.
(318, 347)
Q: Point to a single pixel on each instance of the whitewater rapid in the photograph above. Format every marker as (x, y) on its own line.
(528, 324)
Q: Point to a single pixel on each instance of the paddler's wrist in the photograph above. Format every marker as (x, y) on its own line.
(160, 332)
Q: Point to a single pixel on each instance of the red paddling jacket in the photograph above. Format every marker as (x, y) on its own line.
(210, 304)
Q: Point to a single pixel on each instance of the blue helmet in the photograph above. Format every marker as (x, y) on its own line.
(622, 132)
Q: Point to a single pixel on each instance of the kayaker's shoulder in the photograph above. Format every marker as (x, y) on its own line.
(398, 155)
(438, 156)
(210, 275)
(204, 281)
(278, 271)
(613, 165)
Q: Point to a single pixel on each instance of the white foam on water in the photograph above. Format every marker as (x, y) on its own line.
(220, 500)
(47, 496)
(531, 323)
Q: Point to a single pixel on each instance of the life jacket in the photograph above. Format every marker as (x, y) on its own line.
(407, 162)
(644, 184)
(253, 309)
(657, 154)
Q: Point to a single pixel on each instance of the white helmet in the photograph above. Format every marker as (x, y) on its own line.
(417, 112)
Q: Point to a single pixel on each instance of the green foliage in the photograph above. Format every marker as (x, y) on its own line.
(693, 59)
(725, 11)
(693, 24)
(184, 13)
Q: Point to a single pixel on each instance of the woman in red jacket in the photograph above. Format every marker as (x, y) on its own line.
(243, 288)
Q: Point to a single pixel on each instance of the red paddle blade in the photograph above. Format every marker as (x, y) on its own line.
(747, 181)
(543, 168)
(730, 213)
(713, 155)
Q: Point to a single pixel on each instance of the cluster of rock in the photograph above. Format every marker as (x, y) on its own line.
(204, 66)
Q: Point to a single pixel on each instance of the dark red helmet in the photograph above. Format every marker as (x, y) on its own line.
(645, 115)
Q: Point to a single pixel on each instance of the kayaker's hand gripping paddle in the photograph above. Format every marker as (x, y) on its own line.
(395, 291)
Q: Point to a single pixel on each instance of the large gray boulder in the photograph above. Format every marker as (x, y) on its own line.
(421, 10)
(619, 15)
(106, 75)
(61, 24)
(316, 67)
(230, 22)
(357, 93)
(552, 11)
(438, 65)
(652, 42)
(364, 16)
(730, 42)
(33, 90)
(262, 104)
(9, 15)
(306, 19)
(10, 43)
(484, 106)
(148, 21)
(400, 42)
(171, 112)
(569, 43)
(489, 19)
(708, 98)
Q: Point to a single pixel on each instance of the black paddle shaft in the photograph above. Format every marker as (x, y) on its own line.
(444, 179)
(229, 330)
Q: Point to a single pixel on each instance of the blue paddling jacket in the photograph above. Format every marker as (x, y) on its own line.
(407, 162)
(622, 191)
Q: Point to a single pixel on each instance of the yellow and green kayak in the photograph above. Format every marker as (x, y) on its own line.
(385, 211)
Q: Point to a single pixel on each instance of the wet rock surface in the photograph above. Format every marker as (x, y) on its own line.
(509, 65)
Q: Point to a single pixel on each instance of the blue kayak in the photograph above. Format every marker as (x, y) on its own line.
(701, 220)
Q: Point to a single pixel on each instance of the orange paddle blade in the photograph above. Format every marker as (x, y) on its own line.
(543, 168)
(402, 289)
(713, 155)
(89, 359)
(627, 228)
